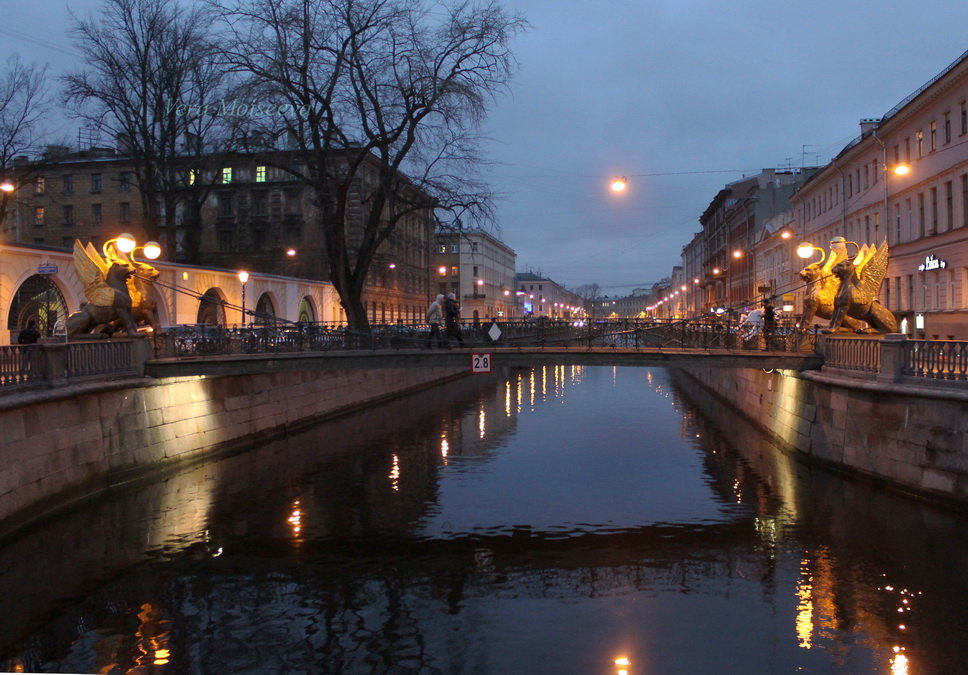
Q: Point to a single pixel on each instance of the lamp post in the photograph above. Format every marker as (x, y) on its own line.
(243, 278)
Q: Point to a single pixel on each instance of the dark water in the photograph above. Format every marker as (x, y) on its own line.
(553, 521)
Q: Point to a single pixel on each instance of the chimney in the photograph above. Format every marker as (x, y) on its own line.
(868, 125)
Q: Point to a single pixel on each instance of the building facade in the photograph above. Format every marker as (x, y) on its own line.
(479, 269)
(543, 297)
(922, 214)
(249, 214)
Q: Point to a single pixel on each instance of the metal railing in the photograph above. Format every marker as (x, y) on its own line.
(206, 340)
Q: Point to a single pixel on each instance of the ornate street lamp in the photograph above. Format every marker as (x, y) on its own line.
(243, 279)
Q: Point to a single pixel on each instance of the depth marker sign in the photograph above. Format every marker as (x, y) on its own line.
(480, 363)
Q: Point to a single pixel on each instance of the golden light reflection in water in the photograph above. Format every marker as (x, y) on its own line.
(295, 519)
(533, 386)
(544, 382)
(520, 392)
(622, 663)
(899, 662)
(152, 635)
(481, 422)
(395, 474)
(805, 606)
(507, 398)
(444, 448)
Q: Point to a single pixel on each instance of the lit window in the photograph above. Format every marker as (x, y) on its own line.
(193, 176)
(260, 174)
(39, 215)
(227, 174)
(39, 185)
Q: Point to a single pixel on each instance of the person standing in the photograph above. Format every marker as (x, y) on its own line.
(769, 324)
(452, 318)
(29, 335)
(434, 315)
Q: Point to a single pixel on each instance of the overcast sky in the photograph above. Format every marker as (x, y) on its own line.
(681, 96)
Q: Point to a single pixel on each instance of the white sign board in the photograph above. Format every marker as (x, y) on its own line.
(480, 363)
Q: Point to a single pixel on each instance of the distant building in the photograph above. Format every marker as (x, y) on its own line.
(479, 269)
(542, 297)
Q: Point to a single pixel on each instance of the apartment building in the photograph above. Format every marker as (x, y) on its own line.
(905, 180)
(543, 297)
(248, 213)
(479, 269)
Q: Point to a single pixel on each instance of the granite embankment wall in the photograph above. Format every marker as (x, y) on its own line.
(62, 445)
(912, 439)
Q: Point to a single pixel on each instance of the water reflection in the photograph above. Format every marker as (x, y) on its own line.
(584, 520)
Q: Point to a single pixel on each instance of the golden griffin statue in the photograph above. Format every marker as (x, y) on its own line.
(845, 290)
(117, 288)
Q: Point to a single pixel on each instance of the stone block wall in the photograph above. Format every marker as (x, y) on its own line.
(72, 442)
(911, 438)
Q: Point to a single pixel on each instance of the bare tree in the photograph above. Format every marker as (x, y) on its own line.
(24, 104)
(151, 82)
(384, 100)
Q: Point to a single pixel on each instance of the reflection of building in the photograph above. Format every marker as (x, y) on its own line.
(922, 214)
(479, 269)
(252, 214)
(540, 296)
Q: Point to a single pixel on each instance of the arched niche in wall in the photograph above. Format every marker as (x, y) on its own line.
(307, 310)
(265, 310)
(37, 298)
(211, 308)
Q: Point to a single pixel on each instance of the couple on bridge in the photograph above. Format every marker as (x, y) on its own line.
(448, 309)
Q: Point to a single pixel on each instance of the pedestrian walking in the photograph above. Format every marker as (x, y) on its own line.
(452, 318)
(434, 315)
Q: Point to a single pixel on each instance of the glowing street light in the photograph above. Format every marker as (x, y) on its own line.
(806, 250)
(243, 279)
(7, 186)
(738, 254)
(902, 170)
(619, 184)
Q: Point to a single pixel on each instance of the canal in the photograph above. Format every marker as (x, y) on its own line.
(554, 520)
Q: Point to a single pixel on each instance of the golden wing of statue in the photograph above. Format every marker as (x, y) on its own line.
(92, 272)
(829, 284)
(871, 275)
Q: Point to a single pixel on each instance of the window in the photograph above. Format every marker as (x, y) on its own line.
(964, 118)
(947, 127)
(259, 201)
(897, 223)
(474, 246)
(964, 199)
(225, 206)
(68, 185)
(920, 139)
(39, 185)
(260, 174)
(949, 206)
(95, 183)
(226, 240)
(921, 214)
(907, 149)
(95, 214)
(455, 248)
(933, 138)
(192, 176)
(475, 271)
(227, 174)
(125, 212)
(124, 181)
(897, 155)
(454, 271)
(934, 211)
(442, 248)
(68, 212)
(39, 216)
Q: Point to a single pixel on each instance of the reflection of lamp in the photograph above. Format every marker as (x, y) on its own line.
(243, 278)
